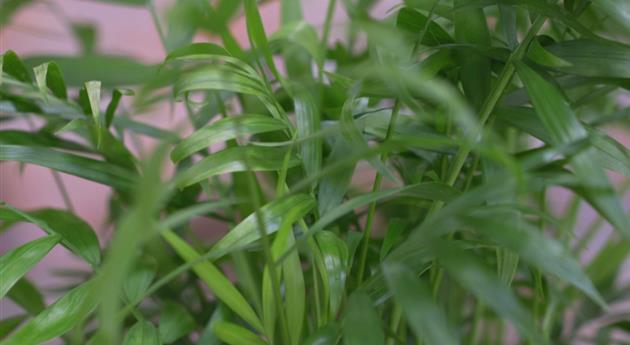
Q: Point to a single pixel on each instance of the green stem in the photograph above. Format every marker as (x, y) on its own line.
(262, 228)
(330, 11)
(367, 233)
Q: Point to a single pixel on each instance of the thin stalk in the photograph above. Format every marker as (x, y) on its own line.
(394, 323)
(57, 177)
(156, 22)
(367, 232)
(475, 336)
(262, 228)
(330, 11)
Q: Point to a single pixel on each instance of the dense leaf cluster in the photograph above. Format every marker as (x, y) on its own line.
(466, 112)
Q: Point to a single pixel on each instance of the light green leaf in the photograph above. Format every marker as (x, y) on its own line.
(223, 130)
(334, 252)
(59, 318)
(233, 159)
(273, 214)
(49, 77)
(233, 334)
(308, 124)
(17, 262)
(257, 35)
(76, 235)
(222, 287)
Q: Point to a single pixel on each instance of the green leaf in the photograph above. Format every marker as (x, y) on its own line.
(333, 187)
(142, 333)
(13, 66)
(59, 318)
(24, 138)
(563, 127)
(113, 104)
(604, 267)
(90, 169)
(9, 7)
(362, 324)
(196, 51)
(246, 232)
(182, 21)
(17, 262)
(308, 124)
(139, 280)
(427, 320)
(9, 324)
(593, 58)
(394, 233)
(257, 35)
(611, 154)
(618, 10)
(175, 322)
(48, 76)
(233, 159)
(112, 71)
(223, 130)
(334, 252)
(532, 246)
(471, 28)
(299, 34)
(76, 235)
(26, 295)
(486, 286)
(208, 336)
(233, 334)
(221, 287)
(413, 21)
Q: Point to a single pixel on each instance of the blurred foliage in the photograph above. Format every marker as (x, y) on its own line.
(471, 114)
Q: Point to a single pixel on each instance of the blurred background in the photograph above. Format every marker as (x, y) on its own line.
(128, 34)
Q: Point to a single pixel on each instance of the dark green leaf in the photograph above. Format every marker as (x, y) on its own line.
(362, 324)
(175, 322)
(426, 319)
(142, 333)
(563, 127)
(26, 295)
